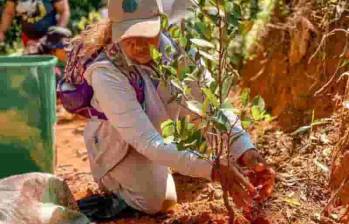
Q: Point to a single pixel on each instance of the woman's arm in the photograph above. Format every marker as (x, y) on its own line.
(63, 10)
(118, 101)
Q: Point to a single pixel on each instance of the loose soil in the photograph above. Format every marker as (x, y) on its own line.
(301, 163)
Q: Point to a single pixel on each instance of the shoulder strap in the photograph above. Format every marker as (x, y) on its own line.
(132, 74)
(77, 64)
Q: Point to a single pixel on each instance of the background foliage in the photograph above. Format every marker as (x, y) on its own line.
(83, 12)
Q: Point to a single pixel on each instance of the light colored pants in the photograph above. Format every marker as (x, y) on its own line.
(143, 185)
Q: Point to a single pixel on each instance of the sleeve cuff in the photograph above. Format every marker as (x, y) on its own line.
(241, 145)
(197, 167)
(238, 148)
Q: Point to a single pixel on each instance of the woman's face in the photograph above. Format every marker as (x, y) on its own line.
(138, 48)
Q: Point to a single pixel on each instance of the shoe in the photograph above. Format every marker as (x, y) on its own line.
(102, 208)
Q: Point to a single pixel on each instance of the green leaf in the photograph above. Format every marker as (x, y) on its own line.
(268, 117)
(259, 102)
(185, 72)
(168, 128)
(246, 123)
(175, 32)
(171, 70)
(202, 43)
(226, 86)
(257, 113)
(205, 106)
(183, 41)
(245, 97)
(211, 57)
(155, 54)
(212, 98)
(164, 22)
(202, 29)
(195, 107)
(221, 121)
(169, 50)
(213, 86)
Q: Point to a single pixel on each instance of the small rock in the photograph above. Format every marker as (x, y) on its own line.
(297, 162)
(217, 195)
(81, 153)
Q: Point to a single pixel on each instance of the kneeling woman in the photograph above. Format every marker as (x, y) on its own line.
(127, 154)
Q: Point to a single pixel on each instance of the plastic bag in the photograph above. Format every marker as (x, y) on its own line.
(37, 198)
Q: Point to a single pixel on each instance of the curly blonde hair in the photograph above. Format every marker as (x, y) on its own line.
(95, 37)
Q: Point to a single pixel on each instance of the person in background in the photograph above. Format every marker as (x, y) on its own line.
(36, 17)
(127, 153)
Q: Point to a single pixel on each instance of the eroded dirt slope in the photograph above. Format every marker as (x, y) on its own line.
(299, 60)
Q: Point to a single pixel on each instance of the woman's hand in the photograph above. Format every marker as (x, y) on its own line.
(261, 175)
(236, 184)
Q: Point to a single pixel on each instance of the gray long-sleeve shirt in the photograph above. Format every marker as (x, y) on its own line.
(129, 125)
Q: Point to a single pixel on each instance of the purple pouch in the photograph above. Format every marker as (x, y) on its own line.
(76, 99)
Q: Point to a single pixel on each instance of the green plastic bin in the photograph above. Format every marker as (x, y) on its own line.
(27, 114)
